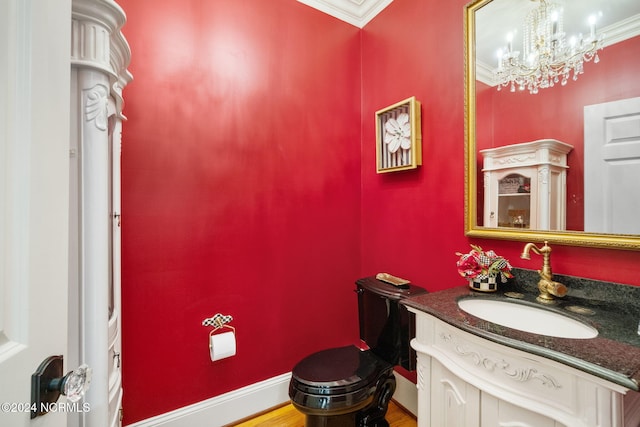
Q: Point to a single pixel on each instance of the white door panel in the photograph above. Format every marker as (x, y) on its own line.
(612, 167)
(59, 253)
(34, 144)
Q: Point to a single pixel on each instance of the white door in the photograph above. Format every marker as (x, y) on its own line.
(34, 181)
(612, 167)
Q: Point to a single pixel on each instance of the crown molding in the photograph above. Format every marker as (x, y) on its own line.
(354, 12)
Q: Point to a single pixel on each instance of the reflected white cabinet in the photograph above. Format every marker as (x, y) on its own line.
(465, 380)
(525, 185)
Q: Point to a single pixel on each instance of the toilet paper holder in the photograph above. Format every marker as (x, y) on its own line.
(221, 345)
(218, 321)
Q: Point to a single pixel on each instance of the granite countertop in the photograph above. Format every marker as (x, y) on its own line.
(613, 309)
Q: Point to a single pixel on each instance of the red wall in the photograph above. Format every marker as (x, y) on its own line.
(413, 221)
(249, 184)
(241, 193)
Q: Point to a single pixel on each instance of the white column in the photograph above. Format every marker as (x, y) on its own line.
(99, 58)
(95, 236)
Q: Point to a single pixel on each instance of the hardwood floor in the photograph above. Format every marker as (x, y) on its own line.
(288, 416)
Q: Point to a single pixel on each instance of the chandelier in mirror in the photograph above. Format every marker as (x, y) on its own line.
(548, 56)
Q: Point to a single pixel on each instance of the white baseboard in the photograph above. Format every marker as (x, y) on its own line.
(253, 399)
(226, 408)
(406, 394)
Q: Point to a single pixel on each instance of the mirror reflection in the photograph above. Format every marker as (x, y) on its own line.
(585, 96)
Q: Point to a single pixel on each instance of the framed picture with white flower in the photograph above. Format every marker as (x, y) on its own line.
(398, 136)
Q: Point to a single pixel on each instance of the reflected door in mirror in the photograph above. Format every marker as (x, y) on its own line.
(612, 166)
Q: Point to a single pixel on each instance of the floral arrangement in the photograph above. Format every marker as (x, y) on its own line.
(478, 264)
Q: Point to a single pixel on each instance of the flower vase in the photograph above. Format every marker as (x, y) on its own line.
(485, 284)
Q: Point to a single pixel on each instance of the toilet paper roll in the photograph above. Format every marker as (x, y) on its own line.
(222, 345)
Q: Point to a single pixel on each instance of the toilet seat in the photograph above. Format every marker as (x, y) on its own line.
(348, 386)
(337, 371)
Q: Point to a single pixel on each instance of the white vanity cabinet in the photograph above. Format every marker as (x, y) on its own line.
(460, 404)
(525, 185)
(465, 380)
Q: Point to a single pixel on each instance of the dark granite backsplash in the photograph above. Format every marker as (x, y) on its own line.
(596, 292)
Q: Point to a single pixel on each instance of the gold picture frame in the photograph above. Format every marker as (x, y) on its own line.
(398, 136)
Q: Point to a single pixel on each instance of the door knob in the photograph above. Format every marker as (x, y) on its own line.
(48, 383)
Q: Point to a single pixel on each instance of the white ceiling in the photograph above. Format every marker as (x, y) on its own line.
(619, 20)
(355, 12)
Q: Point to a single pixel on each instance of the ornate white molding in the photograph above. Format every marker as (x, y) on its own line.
(451, 390)
(97, 42)
(556, 158)
(95, 105)
(420, 379)
(99, 57)
(499, 366)
(543, 175)
(514, 160)
(355, 12)
(90, 44)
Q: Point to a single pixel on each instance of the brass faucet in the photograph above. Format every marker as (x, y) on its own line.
(549, 289)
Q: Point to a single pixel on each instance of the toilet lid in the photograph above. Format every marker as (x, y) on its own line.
(337, 371)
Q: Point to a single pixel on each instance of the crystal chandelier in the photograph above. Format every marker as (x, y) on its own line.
(548, 57)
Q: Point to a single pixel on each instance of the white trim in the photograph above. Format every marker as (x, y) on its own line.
(226, 408)
(406, 394)
(354, 12)
(253, 399)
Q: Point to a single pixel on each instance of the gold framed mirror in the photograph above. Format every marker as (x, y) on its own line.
(497, 118)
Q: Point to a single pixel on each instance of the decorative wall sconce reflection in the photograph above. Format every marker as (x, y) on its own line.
(398, 136)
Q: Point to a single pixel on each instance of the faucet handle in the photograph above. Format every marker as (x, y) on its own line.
(557, 289)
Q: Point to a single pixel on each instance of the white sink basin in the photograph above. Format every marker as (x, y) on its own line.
(527, 319)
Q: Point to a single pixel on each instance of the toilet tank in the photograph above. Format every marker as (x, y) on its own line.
(386, 326)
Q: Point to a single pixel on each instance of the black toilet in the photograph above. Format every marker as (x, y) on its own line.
(347, 386)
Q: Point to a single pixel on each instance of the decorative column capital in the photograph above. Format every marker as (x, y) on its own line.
(98, 43)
